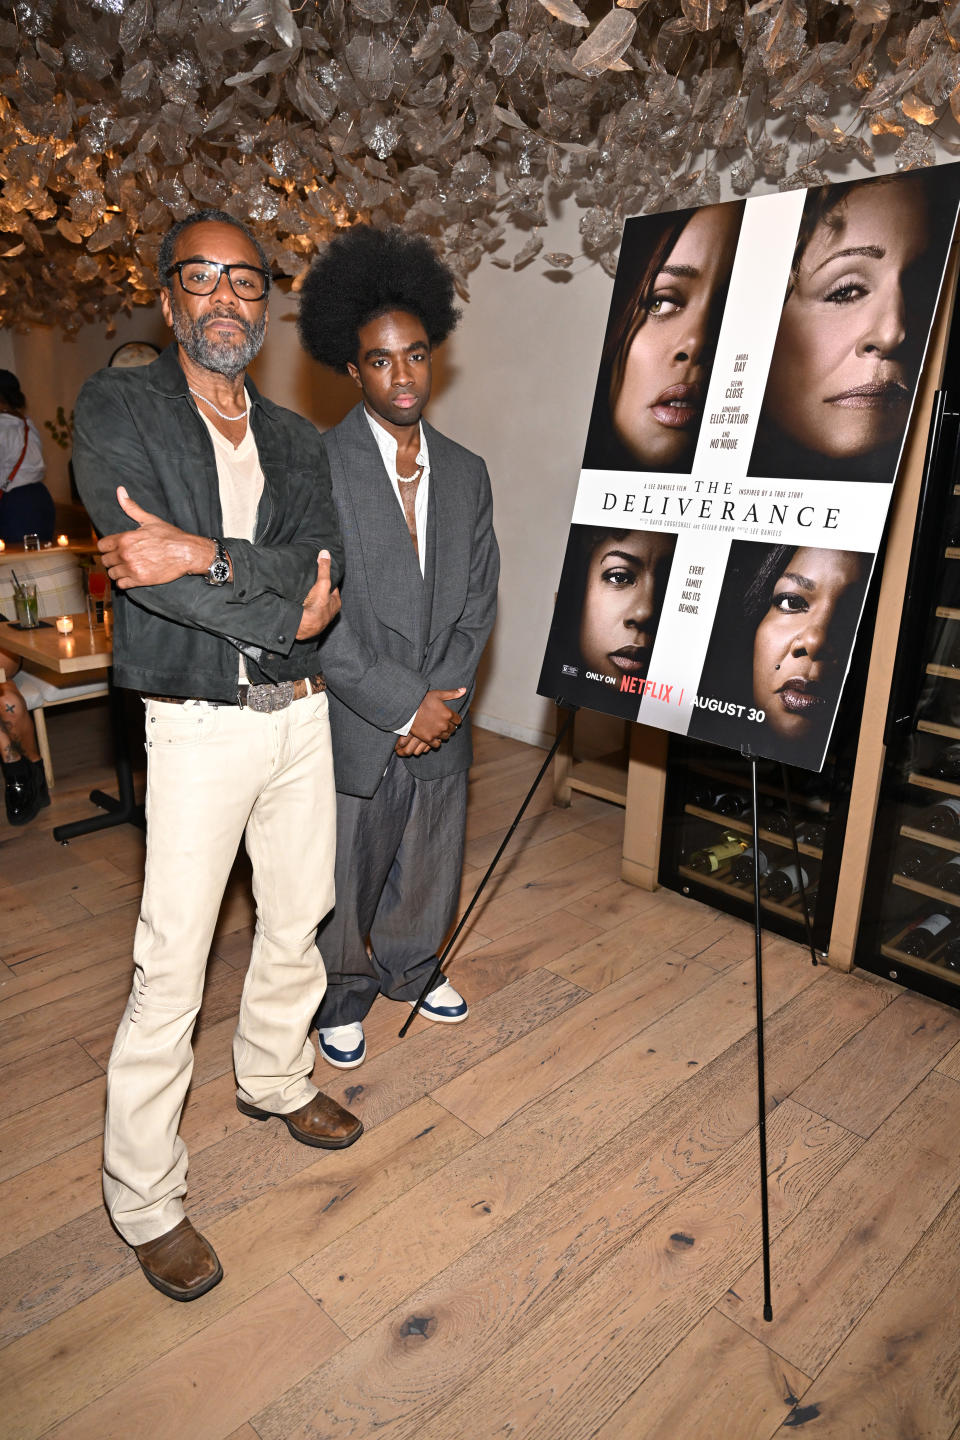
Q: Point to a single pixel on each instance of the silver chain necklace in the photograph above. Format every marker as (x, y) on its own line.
(213, 407)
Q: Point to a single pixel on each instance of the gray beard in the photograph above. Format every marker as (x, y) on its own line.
(223, 358)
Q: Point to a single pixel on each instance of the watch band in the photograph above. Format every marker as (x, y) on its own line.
(219, 571)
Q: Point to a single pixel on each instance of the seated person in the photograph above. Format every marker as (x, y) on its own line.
(60, 590)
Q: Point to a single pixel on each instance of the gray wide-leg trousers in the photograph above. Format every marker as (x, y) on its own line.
(399, 860)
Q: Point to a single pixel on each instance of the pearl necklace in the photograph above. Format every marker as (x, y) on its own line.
(213, 407)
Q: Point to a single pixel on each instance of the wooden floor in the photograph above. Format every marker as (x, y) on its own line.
(551, 1226)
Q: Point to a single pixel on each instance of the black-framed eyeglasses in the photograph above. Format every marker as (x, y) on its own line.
(201, 277)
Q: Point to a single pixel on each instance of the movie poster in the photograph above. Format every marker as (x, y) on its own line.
(758, 374)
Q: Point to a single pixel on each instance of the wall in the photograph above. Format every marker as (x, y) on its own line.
(514, 383)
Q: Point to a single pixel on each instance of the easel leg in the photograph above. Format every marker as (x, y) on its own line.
(761, 1082)
(438, 968)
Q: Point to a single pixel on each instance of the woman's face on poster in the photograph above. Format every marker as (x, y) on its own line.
(802, 642)
(848, 349)
(626, 581)
(659, 405)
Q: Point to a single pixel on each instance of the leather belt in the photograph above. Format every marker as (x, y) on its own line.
(262, 698)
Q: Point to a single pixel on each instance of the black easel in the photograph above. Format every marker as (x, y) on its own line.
(761, 1081)
(438, 968)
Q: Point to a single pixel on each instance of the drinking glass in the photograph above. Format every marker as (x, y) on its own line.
(31, 542)
(25, 602)
(97, 584)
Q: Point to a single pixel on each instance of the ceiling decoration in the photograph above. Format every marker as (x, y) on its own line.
(461, 121)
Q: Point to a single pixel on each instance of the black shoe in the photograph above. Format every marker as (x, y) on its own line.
(26, 790)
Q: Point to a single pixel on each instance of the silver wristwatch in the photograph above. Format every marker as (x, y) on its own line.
(219, 571)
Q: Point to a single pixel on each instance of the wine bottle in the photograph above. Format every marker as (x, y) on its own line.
(924, 935)
(947, 766)
(776, 820)
(948, 876)
(742, 868)
(731, 802)
(944, 819)
(812, 832)
(916, 861)
(785, 881)
(950, 955)
(717, 857)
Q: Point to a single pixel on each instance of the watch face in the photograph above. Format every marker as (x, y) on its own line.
(134, 352)
(219, 572)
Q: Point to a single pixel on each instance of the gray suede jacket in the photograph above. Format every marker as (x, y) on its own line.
(140, 428)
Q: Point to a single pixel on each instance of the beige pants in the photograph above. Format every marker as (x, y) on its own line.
(215, 773)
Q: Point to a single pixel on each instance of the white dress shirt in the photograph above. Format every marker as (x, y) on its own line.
(388, 448)
(32, 467)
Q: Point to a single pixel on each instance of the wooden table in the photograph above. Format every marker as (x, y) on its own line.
(75, 547)
(83, 649)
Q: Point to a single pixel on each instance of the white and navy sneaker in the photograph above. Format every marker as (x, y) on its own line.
(343, 1045)
(444, 1003)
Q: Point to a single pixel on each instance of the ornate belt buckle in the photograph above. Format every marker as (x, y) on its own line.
(267, 698)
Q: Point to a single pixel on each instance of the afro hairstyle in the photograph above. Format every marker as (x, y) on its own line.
(364, 273)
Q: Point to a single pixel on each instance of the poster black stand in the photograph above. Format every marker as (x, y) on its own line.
(438, 968)
(761, 1082)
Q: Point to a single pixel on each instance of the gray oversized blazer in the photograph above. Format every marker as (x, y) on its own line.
(400, 633)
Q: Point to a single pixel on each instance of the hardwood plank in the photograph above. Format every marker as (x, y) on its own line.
(620, 1324)
(39, 1077)
(732, 948)
(950, 1064)
(518, 1075)
(592, 1347)
(235, 947)
(48, 1375)
(586, 1152)
(701, 944)
(898, 1374)
(57, 979)
(233, 1162)
(865, 1081)
(82, 935)
(49, 1195)
(34, 1135)
(523, 866)
(31, 926)
(836, 1258)
(477, 971)
(439, 1052)
(202, 1389)
(718, 1384)
(499, 814)
(103, 898)
(496, 916)
(618, 949)
(533, 831)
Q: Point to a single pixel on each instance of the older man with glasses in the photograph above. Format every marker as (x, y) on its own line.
(221, 538)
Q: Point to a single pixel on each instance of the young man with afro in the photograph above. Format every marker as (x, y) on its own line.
(418, 603)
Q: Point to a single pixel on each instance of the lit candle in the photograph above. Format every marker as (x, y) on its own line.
(64, 624)
(2, 547)
(63, 540)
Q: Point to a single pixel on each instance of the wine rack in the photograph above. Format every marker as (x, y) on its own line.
(921, 776)
(692, 822)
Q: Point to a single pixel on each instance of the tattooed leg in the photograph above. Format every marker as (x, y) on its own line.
(18, 737)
